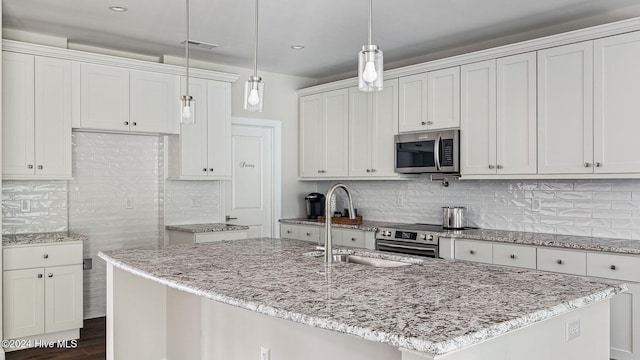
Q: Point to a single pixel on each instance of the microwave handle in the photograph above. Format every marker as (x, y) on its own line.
(436, 152)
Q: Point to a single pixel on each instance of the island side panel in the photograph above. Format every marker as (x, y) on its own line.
(544, 340)
(234, 333)
(136, 317)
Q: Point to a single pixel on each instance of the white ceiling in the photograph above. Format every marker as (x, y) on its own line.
(332, 30)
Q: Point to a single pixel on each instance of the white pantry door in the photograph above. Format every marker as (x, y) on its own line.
(250, 193)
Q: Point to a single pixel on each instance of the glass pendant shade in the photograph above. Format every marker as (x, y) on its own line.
(188, 111)
(253, 94)
(370, 68)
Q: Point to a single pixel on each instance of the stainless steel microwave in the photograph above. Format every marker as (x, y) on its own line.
(428, 152)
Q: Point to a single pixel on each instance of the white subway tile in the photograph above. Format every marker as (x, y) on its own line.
(613, 195)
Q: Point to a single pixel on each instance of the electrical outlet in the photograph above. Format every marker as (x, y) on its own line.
(25, 206)
(87, 264)
(573, 330)
(128, 203)
(265, 354)
(196, 201)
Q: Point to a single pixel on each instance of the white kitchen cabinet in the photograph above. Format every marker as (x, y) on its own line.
(514, 255)
(36, 117)
(562, 261)
(203, 149)
(516, 138)
(42, 291)
(340, 236)
(373, 122)
(565, 109)
(474, 251)
(185, 237)
(478, 118)
(324, 135)
(429, 101)
(616, 105)
(122, 100)
(348, 237)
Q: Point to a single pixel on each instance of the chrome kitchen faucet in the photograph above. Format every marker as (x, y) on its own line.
(328, 246)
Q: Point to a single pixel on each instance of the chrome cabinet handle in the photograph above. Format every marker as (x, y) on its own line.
(39, 276)
(50, 275)
(227, 217)
(135, 123)
(471, 252)
(559, 262)
(423, 123)
(46, 256)
(491, 166)
(513, 256)
(353, 239)
(368, 170)
(40, 167)
(613, 267)
(29, 166)
(308, 234)
(598, 164)
(587, 165)
(126, 123)
(211, 169)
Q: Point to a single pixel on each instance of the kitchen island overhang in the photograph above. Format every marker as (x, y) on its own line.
(435, 308)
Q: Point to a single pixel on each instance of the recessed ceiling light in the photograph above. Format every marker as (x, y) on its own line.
(297, 47)
(118, 8)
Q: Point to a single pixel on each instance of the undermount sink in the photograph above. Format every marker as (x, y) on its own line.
(375, 262)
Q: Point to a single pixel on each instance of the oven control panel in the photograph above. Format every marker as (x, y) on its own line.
(407, 235)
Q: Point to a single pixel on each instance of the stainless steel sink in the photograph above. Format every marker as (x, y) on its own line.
(375, 262)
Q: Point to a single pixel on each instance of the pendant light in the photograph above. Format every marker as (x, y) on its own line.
(370, 65)
(188, 114)
(254, 87)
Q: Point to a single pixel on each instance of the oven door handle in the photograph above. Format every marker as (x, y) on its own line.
(384, 243)
(436, 152)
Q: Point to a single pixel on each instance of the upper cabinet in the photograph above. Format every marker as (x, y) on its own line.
(324, 135)
(373, 122)
(117, 99)
(203, 150)
(565, 109)
(429, 101)
(617, 104)
(498, 127)
(36, 117)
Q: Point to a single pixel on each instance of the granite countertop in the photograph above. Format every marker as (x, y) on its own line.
(434, 306)
(41, 238)
(209, 227)
(620, 246)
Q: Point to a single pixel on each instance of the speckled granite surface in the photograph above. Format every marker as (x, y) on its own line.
(40, 238)
(434, 306)
(210, 227)
(620, 246)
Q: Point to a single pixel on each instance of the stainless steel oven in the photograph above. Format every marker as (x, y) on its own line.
(414, 239)
(428, 152)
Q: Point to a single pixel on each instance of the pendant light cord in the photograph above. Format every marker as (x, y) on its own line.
(370, 1)
(255, 49)
(186, 50)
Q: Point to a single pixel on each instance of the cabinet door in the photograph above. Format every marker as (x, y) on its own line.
(219, 129)
(18, 147)
(360, 132)
(625, 324)
(516, 117)
(565, 109)
(474, 251)
(63, 298)
(310, 135)
(478, 118)
(104, 97)
(413, 103)
(335, 120)
(384, 125)
(194, 138)
(443, 98)
(155, 102)
(53, 116)
(23, 303)
(616, 105)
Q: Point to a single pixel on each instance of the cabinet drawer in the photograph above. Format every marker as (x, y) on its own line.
(619, 267)
(309, 233)
(514, 255)
(220, 236)
(288, 231)
(41, 256)
(354, 238)
(562, 261)
(474, 251)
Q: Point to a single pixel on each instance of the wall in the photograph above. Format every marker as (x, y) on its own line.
(602, 208)
(46, 202)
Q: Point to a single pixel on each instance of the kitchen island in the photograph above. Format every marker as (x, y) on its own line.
(229, 299)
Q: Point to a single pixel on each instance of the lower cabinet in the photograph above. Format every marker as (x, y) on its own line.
(340, 236)
(185, 237)
(625, 308)
(46, 299)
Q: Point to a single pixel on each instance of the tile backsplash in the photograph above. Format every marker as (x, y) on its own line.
(34, 206)
(602, 208)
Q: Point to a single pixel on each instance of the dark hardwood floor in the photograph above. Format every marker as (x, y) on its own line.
(91, 346)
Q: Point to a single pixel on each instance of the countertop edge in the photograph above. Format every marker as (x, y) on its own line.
(411, 343)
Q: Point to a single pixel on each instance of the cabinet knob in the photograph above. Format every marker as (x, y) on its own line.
(308, 234)
(211, 169)
(613, 267)
(353, 239)
(598, 164)
(368, 170)
(373, 170)
(50, 275)
(135, 123)
(423, 123)
(513, 256)
(205, 169)
(498, 166)
(471, 252)
(40, 167)
(491, 166)
(46, 256)
(29, 166)
(39, 276)
(429, 122)
(126, 123)
(559, 262)
(587, 165)
(288, 231)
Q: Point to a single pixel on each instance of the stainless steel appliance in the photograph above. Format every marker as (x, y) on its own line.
(453, 217)
(315, 205)
(414, 239)
(428, 152)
